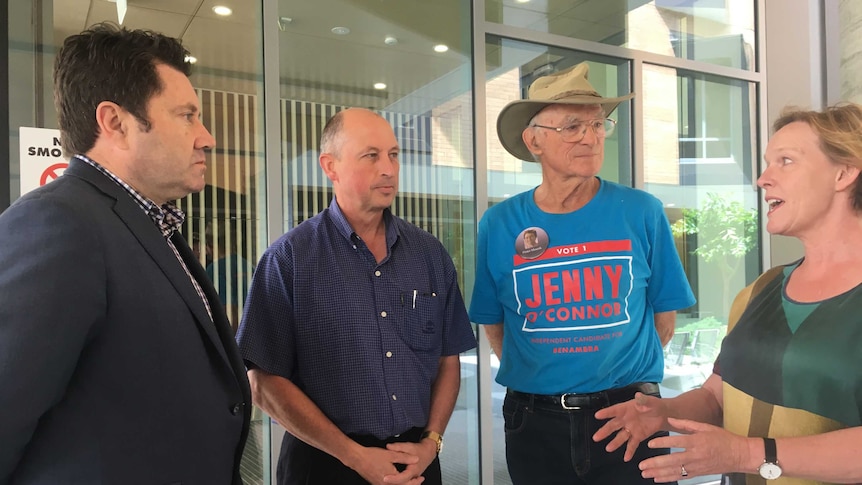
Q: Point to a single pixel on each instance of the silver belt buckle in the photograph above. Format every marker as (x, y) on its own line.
(564, 405)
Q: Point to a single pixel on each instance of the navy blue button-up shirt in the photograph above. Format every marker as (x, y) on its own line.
(363, 340)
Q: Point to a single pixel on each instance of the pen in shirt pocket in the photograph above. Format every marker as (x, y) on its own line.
(409, 298)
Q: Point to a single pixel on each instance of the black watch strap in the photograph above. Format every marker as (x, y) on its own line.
(770, 451)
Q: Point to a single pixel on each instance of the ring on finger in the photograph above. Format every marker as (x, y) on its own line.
(682, 471)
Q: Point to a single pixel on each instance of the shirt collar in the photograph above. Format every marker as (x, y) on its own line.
(168, 217)
(346, 230)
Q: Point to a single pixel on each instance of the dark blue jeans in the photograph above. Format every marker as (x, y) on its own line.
(549, 445)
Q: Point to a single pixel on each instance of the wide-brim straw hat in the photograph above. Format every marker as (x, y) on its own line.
(565, 87)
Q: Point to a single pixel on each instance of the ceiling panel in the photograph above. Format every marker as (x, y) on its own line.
(224, 46)
(168, 23)
(70, 17)
(183, 7)
(353, 68)
(242, 14)
(318, 65)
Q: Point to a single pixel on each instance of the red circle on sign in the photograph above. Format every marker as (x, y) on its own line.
(50, 173)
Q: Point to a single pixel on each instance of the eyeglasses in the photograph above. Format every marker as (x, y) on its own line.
(576, 131)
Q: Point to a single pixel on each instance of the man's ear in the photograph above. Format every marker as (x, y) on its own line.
(530, 141)
(846, 176)
(113, 122)
(327, 164)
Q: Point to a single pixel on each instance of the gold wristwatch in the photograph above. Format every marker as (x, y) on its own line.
(437, 437)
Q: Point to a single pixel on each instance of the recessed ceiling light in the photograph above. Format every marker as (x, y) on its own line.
(222, 10)
(191, 59)
(379, 86)
(340, 30)
(390, 40)
(441, 48)
(522, 1)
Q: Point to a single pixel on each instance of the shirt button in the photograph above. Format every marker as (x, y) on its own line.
(377, 273)
(236, 408)
(394, 398)
(388, 354)
(383, 314)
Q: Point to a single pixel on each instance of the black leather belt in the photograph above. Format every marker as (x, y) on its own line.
(412, 435)
(593, 400)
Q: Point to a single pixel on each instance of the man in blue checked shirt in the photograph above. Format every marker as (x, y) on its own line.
(353, 326)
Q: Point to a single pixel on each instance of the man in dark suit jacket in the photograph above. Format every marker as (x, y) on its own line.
(117, 363)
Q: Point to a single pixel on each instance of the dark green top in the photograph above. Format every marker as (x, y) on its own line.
(804, 356)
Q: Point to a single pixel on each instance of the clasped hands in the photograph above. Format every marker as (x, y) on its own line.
(378, 465)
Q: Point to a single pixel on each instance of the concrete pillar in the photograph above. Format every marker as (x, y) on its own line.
(794, 77)
(850, 46)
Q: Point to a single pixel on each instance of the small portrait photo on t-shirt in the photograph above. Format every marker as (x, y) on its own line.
(532, 242)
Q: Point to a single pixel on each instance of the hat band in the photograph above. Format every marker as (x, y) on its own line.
(577, 92)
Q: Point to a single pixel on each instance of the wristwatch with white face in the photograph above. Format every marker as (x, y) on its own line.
(770, 469)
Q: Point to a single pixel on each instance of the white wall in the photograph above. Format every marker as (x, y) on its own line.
(795, 75)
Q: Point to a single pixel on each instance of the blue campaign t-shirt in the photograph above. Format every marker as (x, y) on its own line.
(577, 292)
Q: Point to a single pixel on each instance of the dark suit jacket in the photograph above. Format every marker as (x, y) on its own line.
(111, 371)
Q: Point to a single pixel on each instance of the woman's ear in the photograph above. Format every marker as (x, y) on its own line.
(846, 177)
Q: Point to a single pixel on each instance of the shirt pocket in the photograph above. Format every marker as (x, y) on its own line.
(422, 324)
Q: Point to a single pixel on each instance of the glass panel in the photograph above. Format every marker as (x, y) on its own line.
(224, 222)
(30, 84)
(382, 56)
(699, 150)
(511, 66)
(715, 31)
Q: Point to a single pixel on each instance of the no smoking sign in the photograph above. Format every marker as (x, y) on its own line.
(42, 157)
(52, 173)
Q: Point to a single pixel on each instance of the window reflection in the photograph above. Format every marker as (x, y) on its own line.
(699, 153)
(715, 31)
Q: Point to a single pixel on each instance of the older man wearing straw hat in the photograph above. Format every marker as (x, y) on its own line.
(578, 320)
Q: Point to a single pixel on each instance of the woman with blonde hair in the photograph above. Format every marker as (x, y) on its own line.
(784, 403)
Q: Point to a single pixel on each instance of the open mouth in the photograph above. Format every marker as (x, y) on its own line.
(774, 204)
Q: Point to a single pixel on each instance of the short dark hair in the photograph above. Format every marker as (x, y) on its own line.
(109, 63)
